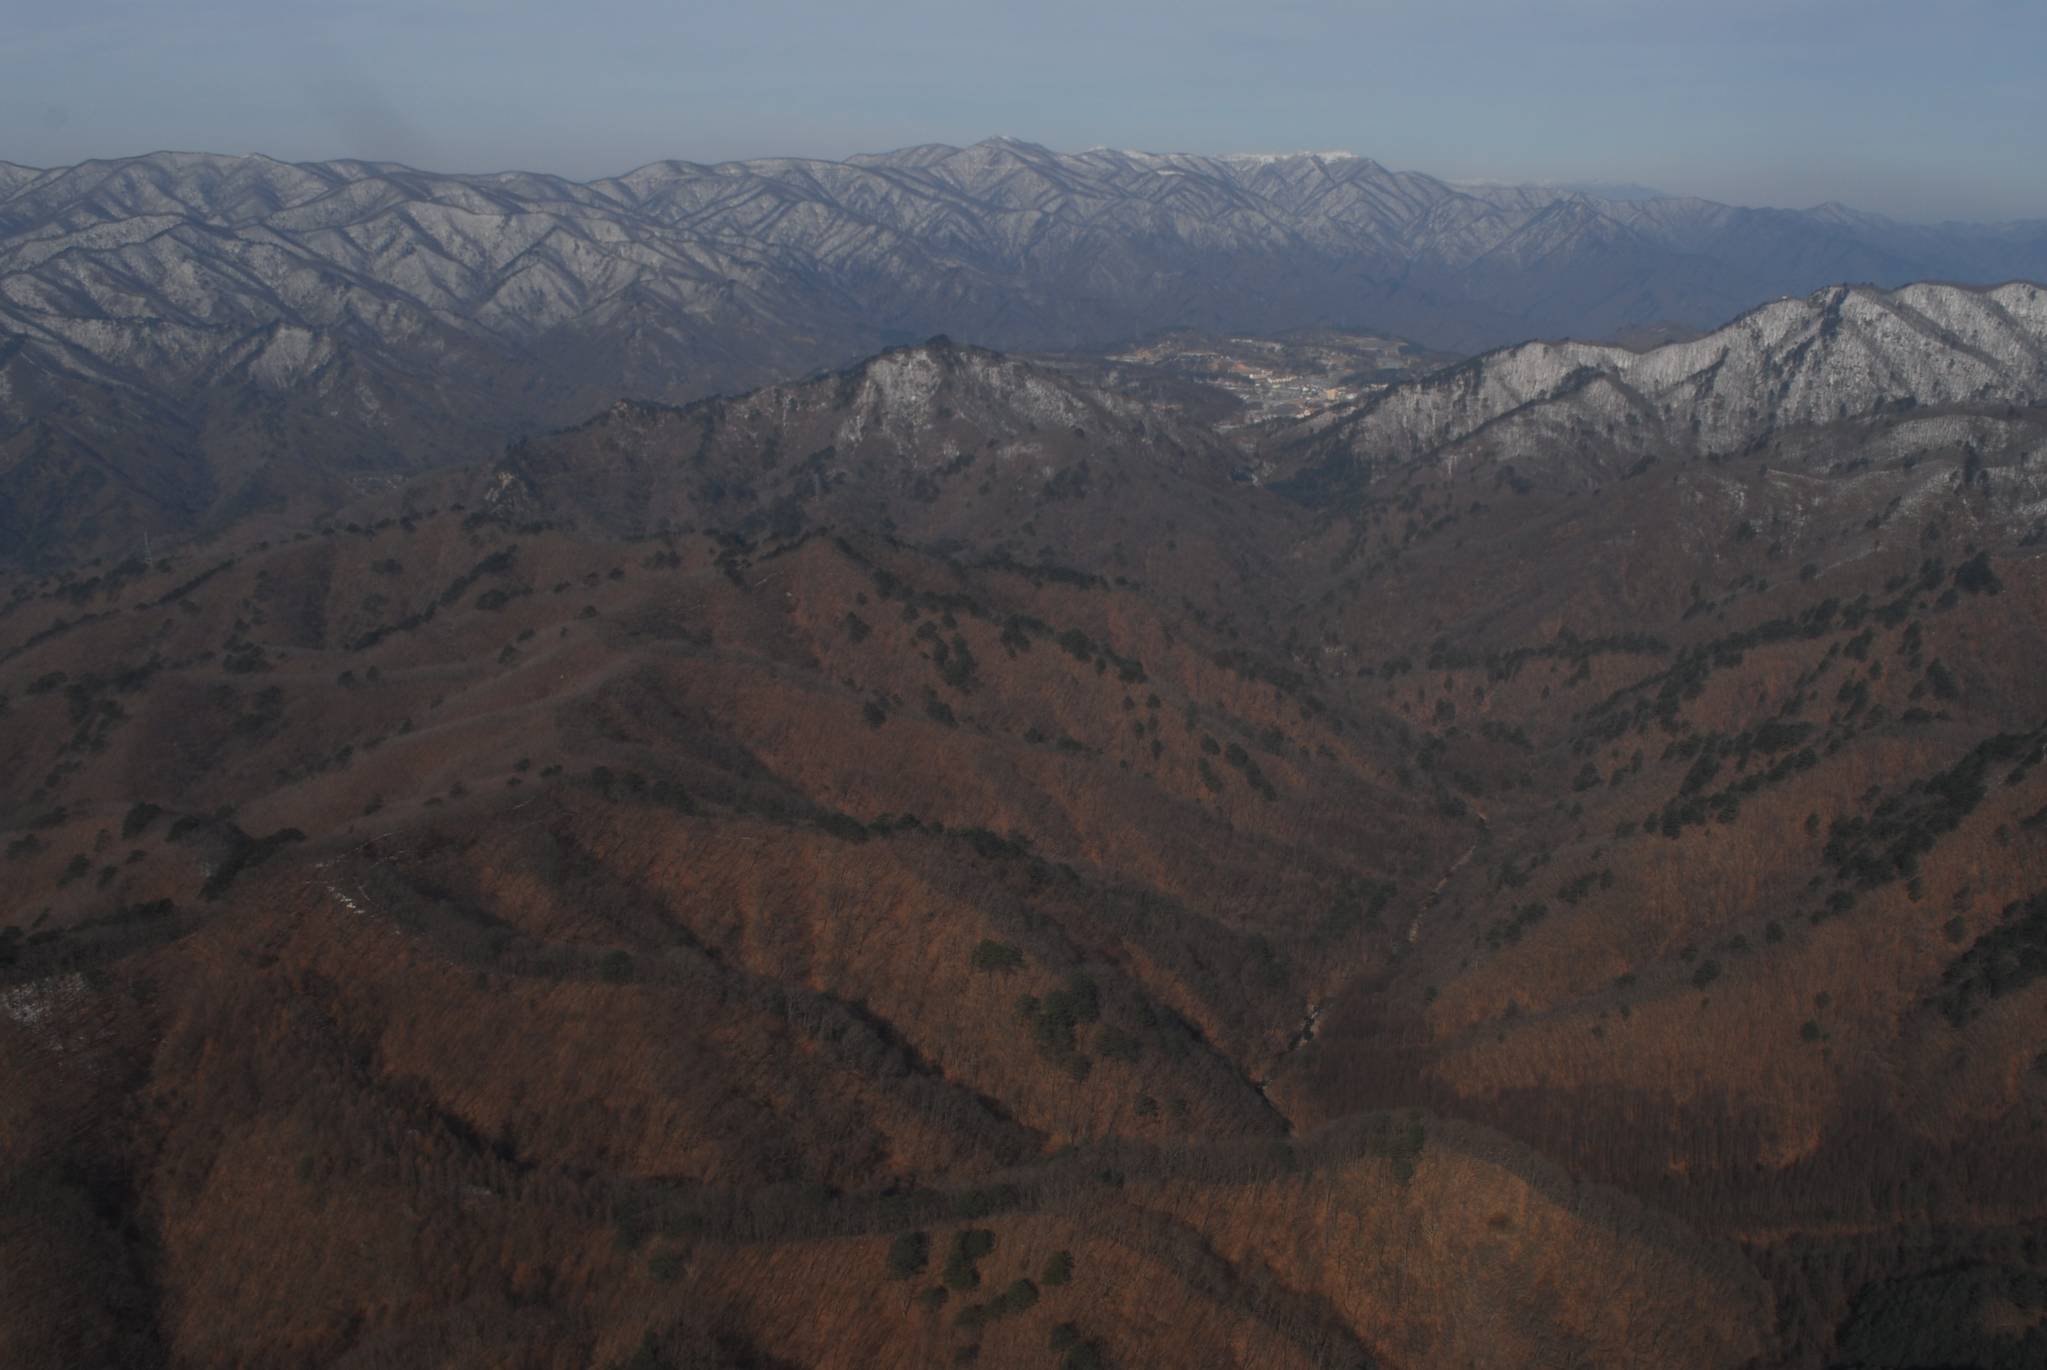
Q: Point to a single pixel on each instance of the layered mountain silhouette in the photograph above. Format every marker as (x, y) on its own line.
(705, 769)
(289, 335)
(1543, 863)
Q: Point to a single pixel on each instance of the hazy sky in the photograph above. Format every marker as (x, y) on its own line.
(1921, 108)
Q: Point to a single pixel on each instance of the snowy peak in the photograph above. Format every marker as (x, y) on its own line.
(1845, 353)
(936, 439)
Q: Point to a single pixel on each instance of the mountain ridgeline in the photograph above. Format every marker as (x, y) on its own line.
(940, 436)
(1842, 354)
(189, 339)
(1541, 862)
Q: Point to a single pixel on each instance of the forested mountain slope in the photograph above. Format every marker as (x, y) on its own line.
(939, 861)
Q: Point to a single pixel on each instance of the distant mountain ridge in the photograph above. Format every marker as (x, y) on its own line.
(187, 337)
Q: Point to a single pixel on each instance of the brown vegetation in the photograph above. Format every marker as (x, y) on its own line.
(1567, 936)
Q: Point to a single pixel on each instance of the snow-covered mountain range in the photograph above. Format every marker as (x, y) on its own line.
(185, 336)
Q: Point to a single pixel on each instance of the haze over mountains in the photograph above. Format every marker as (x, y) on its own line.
(356, 320)
(640, 810)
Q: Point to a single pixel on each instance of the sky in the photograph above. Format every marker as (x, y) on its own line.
(1924, 109)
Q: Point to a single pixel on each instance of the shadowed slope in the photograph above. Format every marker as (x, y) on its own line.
(1548, 907)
